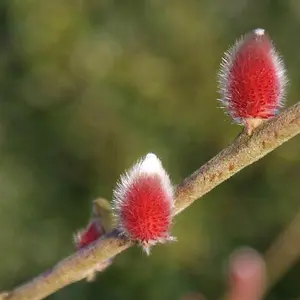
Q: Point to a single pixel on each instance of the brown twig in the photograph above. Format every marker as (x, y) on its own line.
(284, 252)
(244, 151)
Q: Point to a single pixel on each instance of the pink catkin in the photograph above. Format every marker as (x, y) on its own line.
(85, 237)
(247, 275)
(88, 235)
(143, 203)
(252, 79)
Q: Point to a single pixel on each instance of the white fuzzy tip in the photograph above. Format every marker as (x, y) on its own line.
(259, 31)
(146, 249)
(77, 237)
(150, 164)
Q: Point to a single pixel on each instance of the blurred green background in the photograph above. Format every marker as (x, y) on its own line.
(89, 86)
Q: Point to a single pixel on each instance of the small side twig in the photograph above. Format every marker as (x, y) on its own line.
(244, 151)
(287, 248)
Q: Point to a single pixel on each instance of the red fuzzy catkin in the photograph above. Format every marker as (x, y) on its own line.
(85, 237)
(88, 235)
(252, 80)
(143, 203)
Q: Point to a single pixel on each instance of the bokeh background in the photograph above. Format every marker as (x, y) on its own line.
(89, 86)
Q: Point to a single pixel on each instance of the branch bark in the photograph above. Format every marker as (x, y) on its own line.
(244, 151)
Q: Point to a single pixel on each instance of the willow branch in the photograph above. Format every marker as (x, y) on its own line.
(244, 151)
